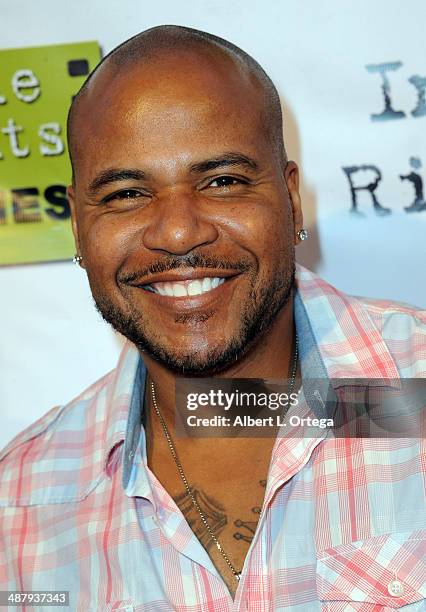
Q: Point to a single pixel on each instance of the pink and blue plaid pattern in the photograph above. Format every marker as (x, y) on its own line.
(344, 520)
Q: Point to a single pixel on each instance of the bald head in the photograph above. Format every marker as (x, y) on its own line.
(164, 45)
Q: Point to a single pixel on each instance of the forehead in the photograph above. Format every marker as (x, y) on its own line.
(184, 100)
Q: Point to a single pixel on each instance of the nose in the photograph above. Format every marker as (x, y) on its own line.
(177, 225)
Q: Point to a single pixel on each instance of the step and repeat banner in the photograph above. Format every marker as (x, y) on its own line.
(352, 80)
(36, 87)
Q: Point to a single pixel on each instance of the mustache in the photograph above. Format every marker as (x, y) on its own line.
(192, 260)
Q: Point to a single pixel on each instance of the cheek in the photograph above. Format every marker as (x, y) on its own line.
(266, 231)
(106, 242)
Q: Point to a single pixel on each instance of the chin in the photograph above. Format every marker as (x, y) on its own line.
(193, 363)
(207, 358)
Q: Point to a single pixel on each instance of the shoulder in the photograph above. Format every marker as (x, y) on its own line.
(47, 456)
(395, 318)
(363, 337)
(392, 312)
(403, 329)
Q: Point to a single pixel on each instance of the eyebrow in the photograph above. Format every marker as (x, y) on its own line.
(113, 175)
(223, 161)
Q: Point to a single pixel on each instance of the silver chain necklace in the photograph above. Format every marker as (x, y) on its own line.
(182, 473)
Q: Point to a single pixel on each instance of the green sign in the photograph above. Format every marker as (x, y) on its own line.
(36, 89)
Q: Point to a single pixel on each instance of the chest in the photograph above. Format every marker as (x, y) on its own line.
(225, 518)
(222, 499)
(310, 526)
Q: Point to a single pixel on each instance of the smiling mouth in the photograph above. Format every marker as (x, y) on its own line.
(185, 288)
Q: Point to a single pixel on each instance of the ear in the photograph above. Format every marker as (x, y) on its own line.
(74, 221)
(291, 174)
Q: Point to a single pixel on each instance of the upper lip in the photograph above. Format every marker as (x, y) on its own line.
(175, 276)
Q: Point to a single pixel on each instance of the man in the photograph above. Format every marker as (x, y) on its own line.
(186, 213)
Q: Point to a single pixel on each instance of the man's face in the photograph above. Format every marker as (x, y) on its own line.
(181, 211)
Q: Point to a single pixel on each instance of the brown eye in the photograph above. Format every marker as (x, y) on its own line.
(124, 194)
(128, 193)
(224, 181)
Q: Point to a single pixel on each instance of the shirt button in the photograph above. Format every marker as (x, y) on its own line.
(395, 588)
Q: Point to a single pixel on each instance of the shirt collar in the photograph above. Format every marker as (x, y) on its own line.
(348, 342)
(124, 404)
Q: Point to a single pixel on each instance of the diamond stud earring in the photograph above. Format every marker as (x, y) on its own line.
(77, 259)
(302, 234)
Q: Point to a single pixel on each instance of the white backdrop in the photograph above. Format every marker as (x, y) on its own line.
(53, 344)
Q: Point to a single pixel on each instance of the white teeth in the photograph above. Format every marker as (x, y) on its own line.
(180, 289)
(194, 288)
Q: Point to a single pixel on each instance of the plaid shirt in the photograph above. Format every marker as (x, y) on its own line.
(343, 522)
